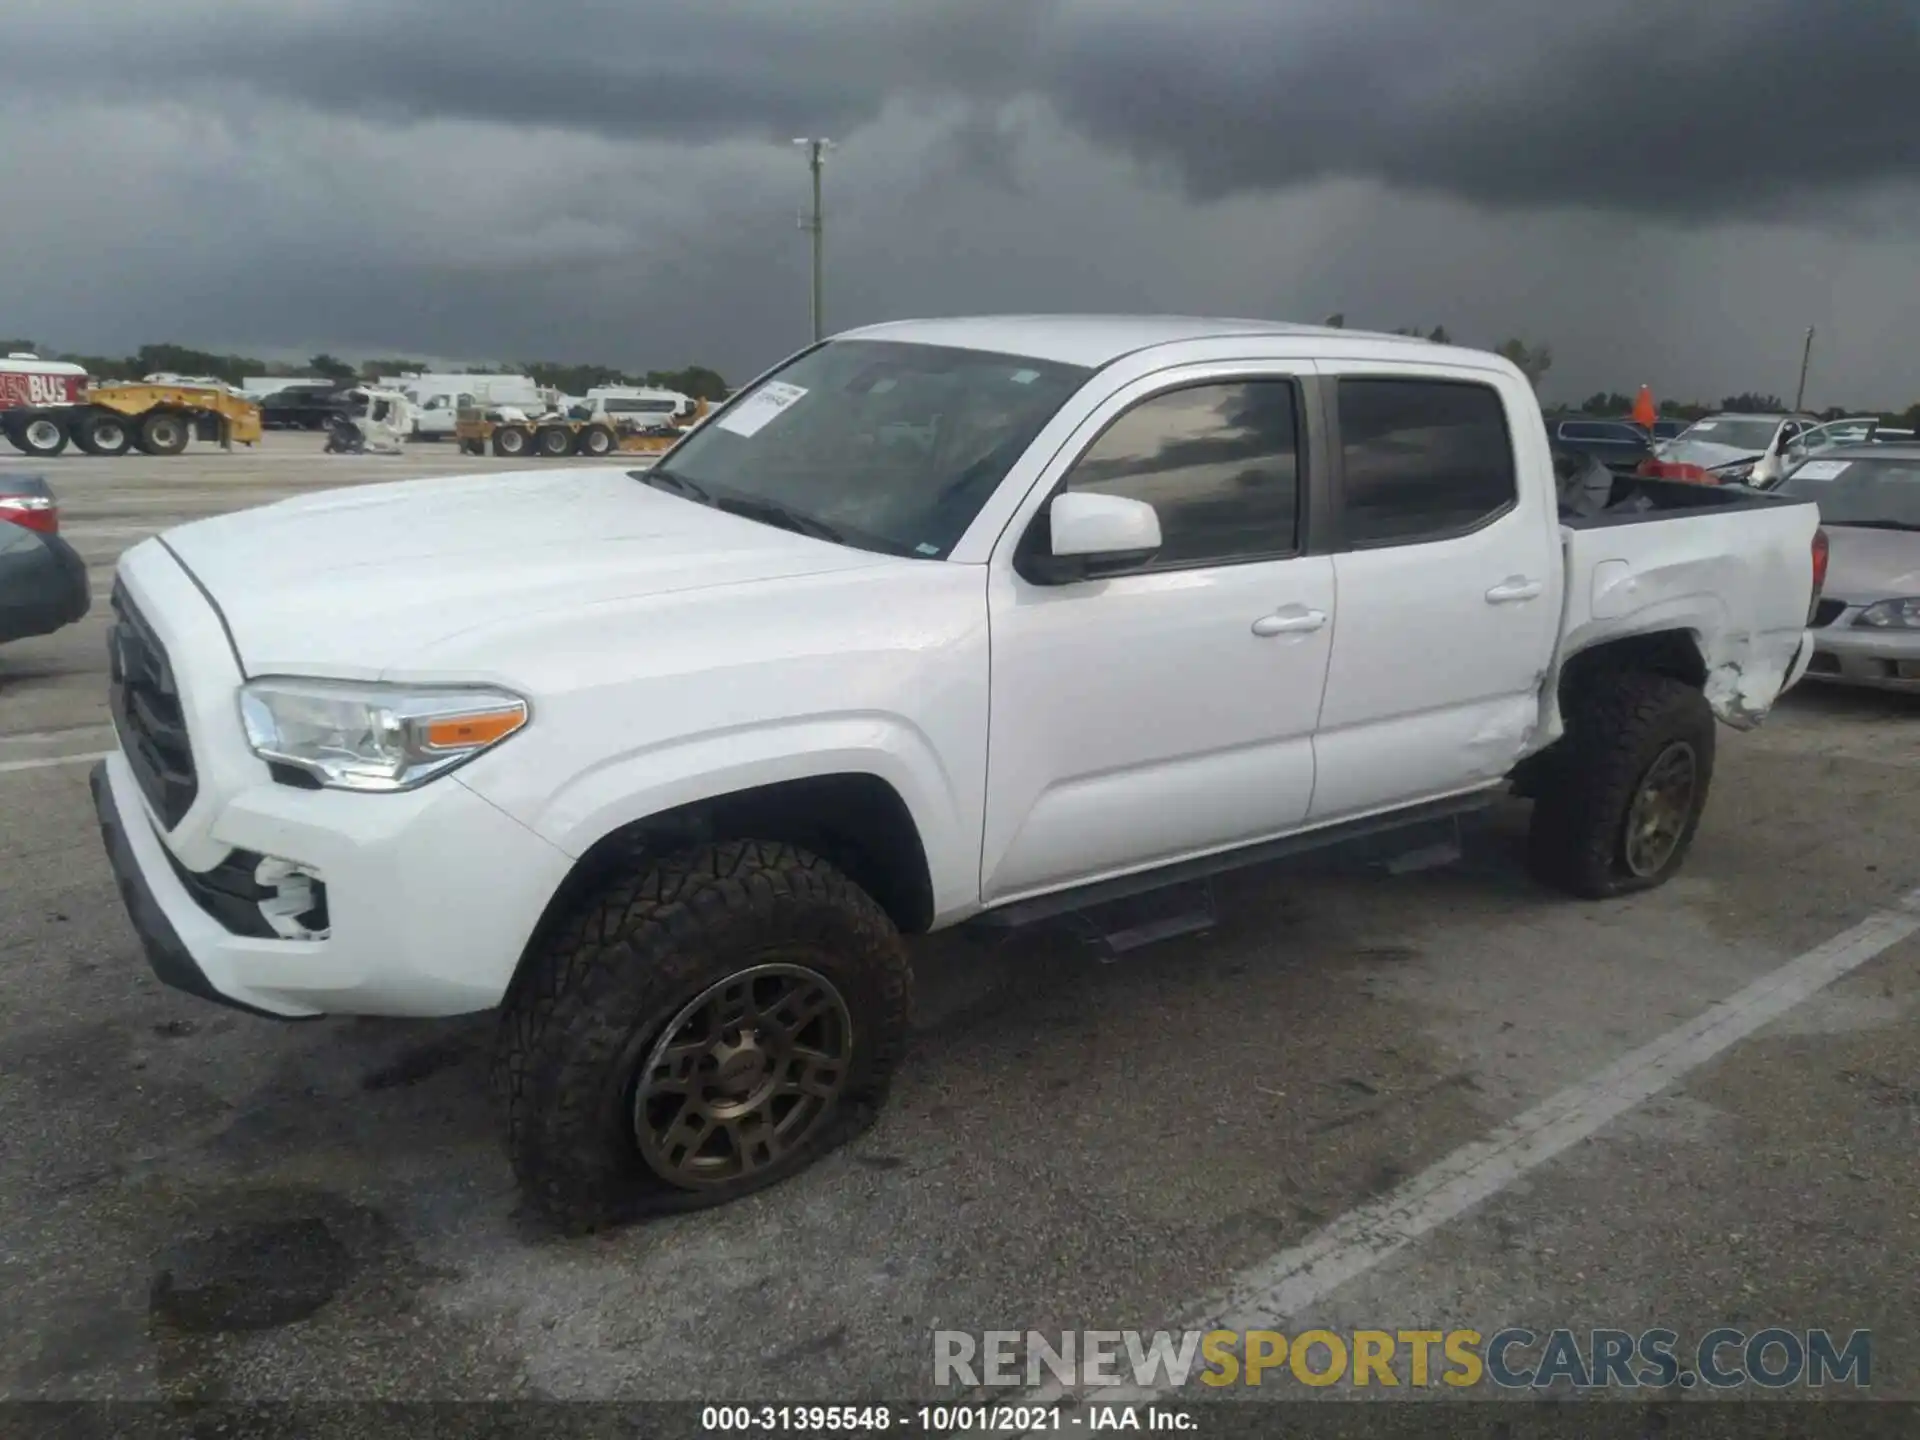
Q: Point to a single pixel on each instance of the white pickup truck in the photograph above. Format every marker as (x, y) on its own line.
(944, 621)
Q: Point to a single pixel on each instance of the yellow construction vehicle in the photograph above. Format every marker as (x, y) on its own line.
(581, 430)
(156, 416)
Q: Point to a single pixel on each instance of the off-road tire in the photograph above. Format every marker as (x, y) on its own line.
(512, 441)
(591, 1002)
(553, 441)
(39, 435)
(1618, 724)
(103, 433)
(597, 440)
(161, 432)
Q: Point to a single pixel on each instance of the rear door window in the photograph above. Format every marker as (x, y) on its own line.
(1421, 459)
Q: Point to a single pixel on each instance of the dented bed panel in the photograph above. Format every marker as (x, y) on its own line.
(1740, 582)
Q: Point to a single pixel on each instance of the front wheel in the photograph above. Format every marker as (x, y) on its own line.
(1623, 791)
(597, 440)
(698, 1032)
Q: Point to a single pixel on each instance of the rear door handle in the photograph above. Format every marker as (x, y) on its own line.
(1514, 589)
(1291, 620)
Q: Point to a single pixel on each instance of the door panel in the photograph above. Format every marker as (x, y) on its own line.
(1442, 642)
(1166, 712)
(1141, 719)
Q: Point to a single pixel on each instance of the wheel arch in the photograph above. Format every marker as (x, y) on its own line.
(1676, 653)
(855, 820)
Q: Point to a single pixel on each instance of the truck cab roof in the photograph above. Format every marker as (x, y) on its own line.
(1096, 340)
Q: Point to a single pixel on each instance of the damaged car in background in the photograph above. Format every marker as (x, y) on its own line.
(1752, 449)
(1867, 624)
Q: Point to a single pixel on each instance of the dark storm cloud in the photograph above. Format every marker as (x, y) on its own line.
(1695, 108)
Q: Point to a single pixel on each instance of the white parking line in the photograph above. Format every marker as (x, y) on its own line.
(1278, 1289)
(7, 767)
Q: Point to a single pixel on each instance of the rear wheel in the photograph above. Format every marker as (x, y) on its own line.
(554, 441)
(101, 432)
(698, 1032)
(597, 440)
(38, 435)
(511, 441)
(162, 433)
(1622, 795)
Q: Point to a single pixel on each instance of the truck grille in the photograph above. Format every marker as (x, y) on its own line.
(147, 712)
(1827, 611)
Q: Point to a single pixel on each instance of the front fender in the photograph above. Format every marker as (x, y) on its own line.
(625, 788)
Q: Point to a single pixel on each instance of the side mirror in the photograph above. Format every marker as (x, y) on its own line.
(1093, 535)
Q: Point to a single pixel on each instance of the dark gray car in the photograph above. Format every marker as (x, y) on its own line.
(43, 582)
(1867, 625)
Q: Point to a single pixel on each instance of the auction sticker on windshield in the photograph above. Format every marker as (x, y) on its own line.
(758, 410)
(1822, 470)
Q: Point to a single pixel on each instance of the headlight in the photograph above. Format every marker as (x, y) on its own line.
(1739, 472)
(374, 737)
(1892, 615)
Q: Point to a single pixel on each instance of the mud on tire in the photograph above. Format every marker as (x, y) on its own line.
(1625, 730)
(591, 1006)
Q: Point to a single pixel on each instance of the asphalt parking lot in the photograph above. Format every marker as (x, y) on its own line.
(197, 1204)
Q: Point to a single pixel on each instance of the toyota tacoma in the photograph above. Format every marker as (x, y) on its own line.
(972, 620)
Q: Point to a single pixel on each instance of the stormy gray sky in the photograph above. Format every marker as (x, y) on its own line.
(1666, 191)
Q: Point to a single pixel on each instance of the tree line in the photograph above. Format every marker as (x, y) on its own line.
(695, 380)
(1612, 404)
(1535, 360)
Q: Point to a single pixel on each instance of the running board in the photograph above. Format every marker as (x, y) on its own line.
(1118, 926)
(1168, 903)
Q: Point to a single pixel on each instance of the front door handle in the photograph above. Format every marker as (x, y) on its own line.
(1293, 620)
(1514, 589)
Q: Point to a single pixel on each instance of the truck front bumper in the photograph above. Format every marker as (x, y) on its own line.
(431, 897)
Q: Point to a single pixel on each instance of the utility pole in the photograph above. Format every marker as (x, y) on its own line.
(812, 224)
(1806, 359)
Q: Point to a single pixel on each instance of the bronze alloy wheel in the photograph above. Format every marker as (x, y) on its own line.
(742, 1075)
(1657, 818)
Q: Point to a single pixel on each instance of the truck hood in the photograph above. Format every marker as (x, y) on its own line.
(1864, 565)
(353, 583)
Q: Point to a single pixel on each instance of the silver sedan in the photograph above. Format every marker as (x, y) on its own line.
(1867, 624)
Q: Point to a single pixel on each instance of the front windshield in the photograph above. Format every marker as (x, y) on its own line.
(1876, 492)
(1754, 435)
(893, 446)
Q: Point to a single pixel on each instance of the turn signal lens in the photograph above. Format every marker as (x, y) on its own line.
(463, 732)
